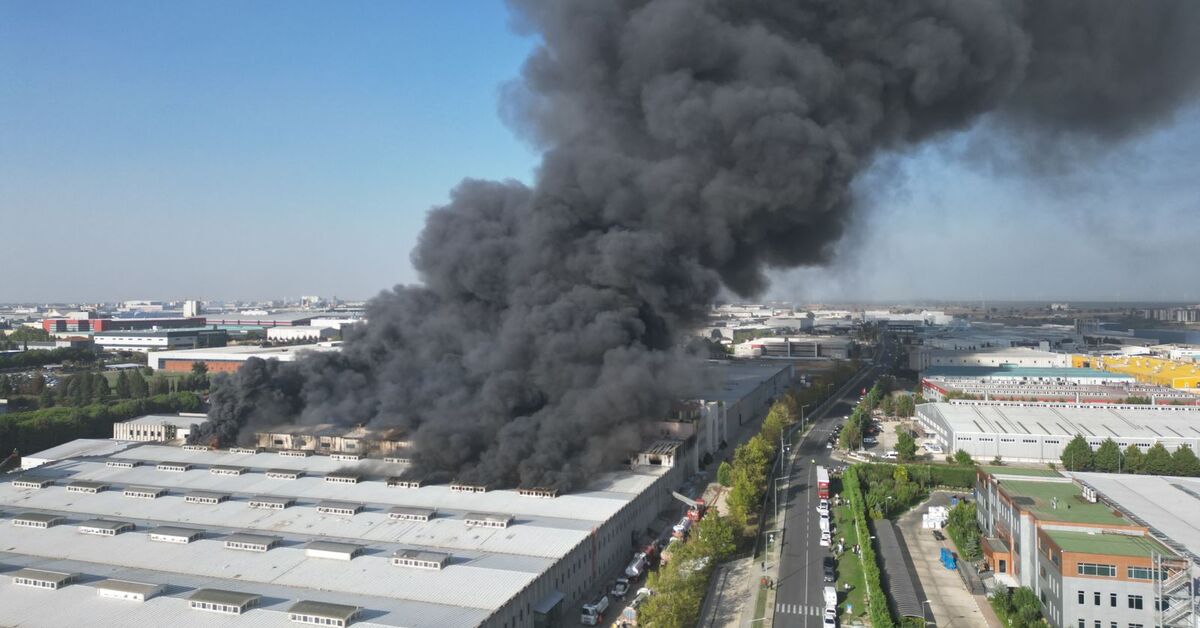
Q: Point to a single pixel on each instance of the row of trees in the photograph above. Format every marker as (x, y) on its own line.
(42, 357)
(747, 476)
(88, 387)
(1078, 455)
(877, 607)
(35, 430)
(680, 584)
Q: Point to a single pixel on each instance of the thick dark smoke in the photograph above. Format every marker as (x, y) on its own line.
(689, 145)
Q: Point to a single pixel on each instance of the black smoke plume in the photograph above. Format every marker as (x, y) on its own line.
(689, 145)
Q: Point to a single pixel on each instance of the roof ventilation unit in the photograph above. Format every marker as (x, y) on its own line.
(37, 520)
(221, 469)
(544, 493)
(83, 486)
(345, 457)
(122, 464)
(144, 492)
(332, 550)
(244, 450)
(398, 459)
(343, 478)
(402, 483)
(271, 503)
(127, 590)
(104, 527)
(345, 509)
(196, 448)
(419, 559)
(410, 513)
(322, 614)
(251, 542)
(487, 520)
(205, 497)
(42, 579)
(284, 474)
(172, 534)
(295, 453)
(218, 601)
(26, 482)
(458, 487)
(173, 467)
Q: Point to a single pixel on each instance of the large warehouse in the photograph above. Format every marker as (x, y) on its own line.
(186, 532)
(1038, 432)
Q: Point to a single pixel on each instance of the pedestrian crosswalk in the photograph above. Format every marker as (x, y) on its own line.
(799, 609)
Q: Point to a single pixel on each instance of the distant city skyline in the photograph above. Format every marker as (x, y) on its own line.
(231, 151)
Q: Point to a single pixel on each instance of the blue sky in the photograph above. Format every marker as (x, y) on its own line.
(265, 149)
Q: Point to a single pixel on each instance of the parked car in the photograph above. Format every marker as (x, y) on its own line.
(826, 539)
(830, 620)
(828, 566)
(620, 588)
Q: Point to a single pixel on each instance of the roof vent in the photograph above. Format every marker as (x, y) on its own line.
(458, 487)
(28, 482)
(42, 579)
(244, 450)
(251, 542)
(173, 467)
(410, 513)
(398, 459)
(322, 613)
(343, 478)
(271, 503)
(420, 559)
(122, 464)
(402, 483)
(346, 457)
(205, 497)
(345, 509)
(221, 469)
(544, 493)
(295, 453)
(104, 527)
(127, 590)
(172, 534)
(284, 474)
(37, 520)
(487, 520)
(83, 486)
(144, 492)
(332, 550)
(197, 448)
(218, 601)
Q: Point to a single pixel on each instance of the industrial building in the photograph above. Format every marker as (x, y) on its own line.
(161, 339)
(332, 439)
(228, 359)
(1159, 371)
(163, 428)
(1038, 432)
(796, 347)
(923, 358)
(1096, 555)
(301, 332)
(1049, 385)
(276, 538)
(91, 322)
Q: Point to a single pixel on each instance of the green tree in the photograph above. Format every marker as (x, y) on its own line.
(963, 529)
(138, 388)
(6, 387)
(773, 426)
(1158, 461)
(46, 398)
(100, 389)
(1026, 610)
(199, 368)
(37, 383)
(123, 390)
(906, 447)
(159, 385)
(905, 407)
(1133, 461)
(1184, 462)
(1077, 455)
(742, 500)
(1108, 457)
(963, 459)
(888, 406)
(725, 474)
(715, 537)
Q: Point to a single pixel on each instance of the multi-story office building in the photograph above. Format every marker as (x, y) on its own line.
(1092, 562)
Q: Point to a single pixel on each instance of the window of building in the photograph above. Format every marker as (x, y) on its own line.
(1112, 600)
(1096, 600)
(1143, 573)
(1135, 626)
(1082, 624)
(1135, 602)
(1093, 569)
(1097, 624)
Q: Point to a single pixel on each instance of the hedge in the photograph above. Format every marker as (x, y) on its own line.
(35, 430)
(877, 607)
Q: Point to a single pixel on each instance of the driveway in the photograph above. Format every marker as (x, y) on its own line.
(953, 606)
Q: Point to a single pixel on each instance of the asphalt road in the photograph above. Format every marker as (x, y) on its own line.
(799, 602)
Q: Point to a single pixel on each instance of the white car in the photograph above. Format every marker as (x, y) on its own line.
(824, 503)
(829, 445)
(823, 509)
(830, 620)
(826, 539)
(891, 455)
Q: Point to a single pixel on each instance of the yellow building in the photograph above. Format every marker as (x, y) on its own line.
(1145, 369)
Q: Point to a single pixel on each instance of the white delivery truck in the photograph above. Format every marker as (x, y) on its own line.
(830, 597)
(593, 613)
